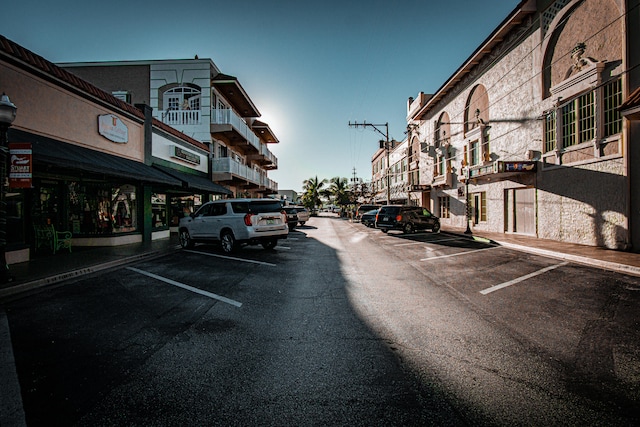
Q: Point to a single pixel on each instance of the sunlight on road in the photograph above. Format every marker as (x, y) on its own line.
(358, 237)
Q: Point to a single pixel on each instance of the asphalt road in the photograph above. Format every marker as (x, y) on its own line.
(340, 325)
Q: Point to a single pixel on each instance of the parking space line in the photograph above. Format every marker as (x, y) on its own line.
(409, 244)
(187, 287)
(231, 258)
(460, 253)
(520, 279)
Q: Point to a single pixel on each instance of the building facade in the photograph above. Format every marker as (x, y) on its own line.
(527, 135)
(194, 97)
(90, 163)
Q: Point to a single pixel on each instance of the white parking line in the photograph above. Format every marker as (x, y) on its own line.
(410, 244)
(231, 258)
(187, 287)
(520, 279)
(459, 253)
(11, 409)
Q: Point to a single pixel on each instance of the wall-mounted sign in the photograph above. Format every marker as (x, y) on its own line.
(185, 155)
(113, 128)
(20, 165)
(517, 166)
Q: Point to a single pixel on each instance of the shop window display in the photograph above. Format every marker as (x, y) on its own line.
(159, 209)
(183, 206)
(98, 208)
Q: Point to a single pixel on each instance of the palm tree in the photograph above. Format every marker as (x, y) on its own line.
(312, 191)
(339, 191)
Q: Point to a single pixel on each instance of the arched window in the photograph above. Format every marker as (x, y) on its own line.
(477, 109)
(180, 104)
(181, 98)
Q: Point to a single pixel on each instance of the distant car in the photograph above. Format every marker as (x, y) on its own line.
(364, 208)
(292, 216)
(409, 219)
(303, 214)
(369, 218)
(235, 222)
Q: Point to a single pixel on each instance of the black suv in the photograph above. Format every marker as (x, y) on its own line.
(406, 218)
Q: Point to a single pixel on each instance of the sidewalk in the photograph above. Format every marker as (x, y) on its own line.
(47, 269)
(622, 262)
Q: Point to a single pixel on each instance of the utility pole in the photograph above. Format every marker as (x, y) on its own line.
(383, 144)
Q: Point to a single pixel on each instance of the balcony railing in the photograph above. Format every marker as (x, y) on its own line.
(269, 155)
(181, 117)
(230, 166)
(229, 117)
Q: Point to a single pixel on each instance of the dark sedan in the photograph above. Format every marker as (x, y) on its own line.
(369, 218)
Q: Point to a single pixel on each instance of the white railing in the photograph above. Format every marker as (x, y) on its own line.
(229, 117)
(181, 117)
(228, 165)
(269, 155)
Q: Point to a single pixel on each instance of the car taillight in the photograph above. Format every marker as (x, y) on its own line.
(399, 218)
(377, 217)
(247, 219)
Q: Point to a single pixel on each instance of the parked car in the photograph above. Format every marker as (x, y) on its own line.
(362, 209)
(235, 222)
(369, 218)
(406, 218)
(303, 214)
(292, 216)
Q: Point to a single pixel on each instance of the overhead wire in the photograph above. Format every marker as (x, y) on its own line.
(460, 114)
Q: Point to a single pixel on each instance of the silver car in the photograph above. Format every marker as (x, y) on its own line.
(303, 214)
(235, 222)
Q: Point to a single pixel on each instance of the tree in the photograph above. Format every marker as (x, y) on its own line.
(339, 191)
(312, 191)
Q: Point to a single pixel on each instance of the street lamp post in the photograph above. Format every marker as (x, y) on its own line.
(468, 207)
(7, 116)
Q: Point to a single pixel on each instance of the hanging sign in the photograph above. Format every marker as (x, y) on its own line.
(112, 128)
(20, 165)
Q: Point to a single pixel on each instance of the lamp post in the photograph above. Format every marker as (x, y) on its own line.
(468, 207)
(7, 116)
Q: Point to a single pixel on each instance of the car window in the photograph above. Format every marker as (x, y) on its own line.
(264, 206)
(240, 207)
(204, 210)
(218, 209)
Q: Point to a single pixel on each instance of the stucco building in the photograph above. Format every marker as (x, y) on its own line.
(527, 136)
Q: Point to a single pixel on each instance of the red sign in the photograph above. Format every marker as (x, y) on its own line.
(20, 165)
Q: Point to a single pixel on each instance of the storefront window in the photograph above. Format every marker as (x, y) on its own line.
(159, 209)
(183, 206)
(97, 208)
(15, 216)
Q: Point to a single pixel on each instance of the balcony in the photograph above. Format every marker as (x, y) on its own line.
(442, 180)
(181, 117)
(225, 123)
(230, 172)
(265, 158)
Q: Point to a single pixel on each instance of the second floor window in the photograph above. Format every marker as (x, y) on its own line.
(577, 121)
(182, 98)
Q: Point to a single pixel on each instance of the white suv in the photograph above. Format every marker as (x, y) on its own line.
(234, 222)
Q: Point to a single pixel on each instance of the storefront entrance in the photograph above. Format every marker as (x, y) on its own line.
(520, 215)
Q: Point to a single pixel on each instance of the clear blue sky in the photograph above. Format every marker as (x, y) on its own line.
(310, 67)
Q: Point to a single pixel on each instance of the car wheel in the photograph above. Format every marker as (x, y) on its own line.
(228, 241)
(302, 223)
(291, 227)
(269, 244)
(408, 228)
(384, 230)
(185, 239)
(436, 227)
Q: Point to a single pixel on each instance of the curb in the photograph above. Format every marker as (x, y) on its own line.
(592, 262)
(46, 281)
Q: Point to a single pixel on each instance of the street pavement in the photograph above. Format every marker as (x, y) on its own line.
(48, 269)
